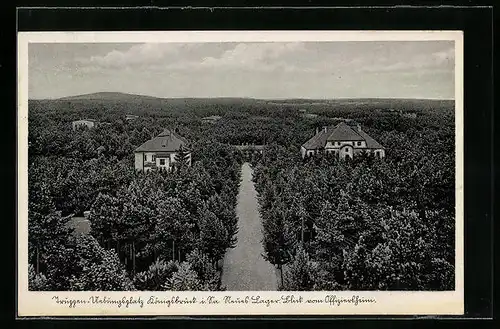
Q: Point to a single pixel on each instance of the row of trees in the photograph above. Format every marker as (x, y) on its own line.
(365, 224)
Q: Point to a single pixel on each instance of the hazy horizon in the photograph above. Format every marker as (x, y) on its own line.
(239, 97)
(267, 70)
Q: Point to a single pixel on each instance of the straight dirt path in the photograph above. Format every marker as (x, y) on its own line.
(244, 267)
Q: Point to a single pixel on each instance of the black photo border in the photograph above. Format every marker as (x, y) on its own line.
(476, 22)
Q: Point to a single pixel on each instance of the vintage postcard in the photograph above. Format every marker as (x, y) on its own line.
(240, 173)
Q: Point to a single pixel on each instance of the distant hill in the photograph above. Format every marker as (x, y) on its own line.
(117, 97)
(97, 104)
(110, 96)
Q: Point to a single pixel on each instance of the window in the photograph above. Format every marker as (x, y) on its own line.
(153, 157)
(145, 157)
(358, 143)
(162, 162)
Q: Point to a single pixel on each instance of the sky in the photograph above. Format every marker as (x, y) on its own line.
(268, 70)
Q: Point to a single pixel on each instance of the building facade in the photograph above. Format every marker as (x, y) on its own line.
(211, 119)
(344, 140)
(89, 123)
(161, 152)
(411, 115)
(131, 117)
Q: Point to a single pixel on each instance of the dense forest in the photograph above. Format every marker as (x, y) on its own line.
(328, 224)
(365, 224)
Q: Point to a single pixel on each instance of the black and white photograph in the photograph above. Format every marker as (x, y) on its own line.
(226, 166)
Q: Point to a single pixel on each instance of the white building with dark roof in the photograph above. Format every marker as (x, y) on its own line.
(211, 119)
(131, 117)
(343, 140)
(161, 151)
(89, 123)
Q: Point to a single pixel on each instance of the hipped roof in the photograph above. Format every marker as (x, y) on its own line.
(91, 120)
(212, 117)
(167, 141)
(340, 133)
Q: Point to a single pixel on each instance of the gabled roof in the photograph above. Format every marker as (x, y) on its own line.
(341, 132)
(167, 141)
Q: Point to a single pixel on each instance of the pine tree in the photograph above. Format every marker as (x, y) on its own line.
(278, 239)
(224, 209)
(156, 275)
(297, 276)
(172, 229)
(105, 216)
(46, 226)
(36, 281)
(185, 279)
(214, 238)
(82, 264)
(206, 271)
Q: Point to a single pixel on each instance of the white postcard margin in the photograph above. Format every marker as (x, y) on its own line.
(34, 303)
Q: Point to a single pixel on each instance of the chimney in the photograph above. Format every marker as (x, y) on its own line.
(358, 126)
(325, 128)
(170, 133)
(317, 130)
